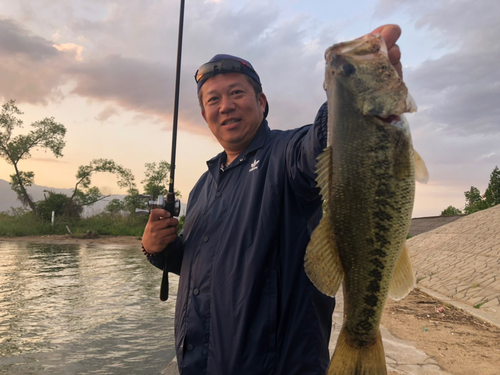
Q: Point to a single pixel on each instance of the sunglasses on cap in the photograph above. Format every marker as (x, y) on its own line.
(211, 69)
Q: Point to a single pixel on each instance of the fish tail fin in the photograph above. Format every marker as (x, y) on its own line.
(403, 279)
(421, 172)
(352, 360)
(321, 261)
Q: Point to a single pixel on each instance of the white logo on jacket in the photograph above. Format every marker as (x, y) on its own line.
(254, 165)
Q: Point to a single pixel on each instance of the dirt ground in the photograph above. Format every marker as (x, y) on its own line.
(459, 342)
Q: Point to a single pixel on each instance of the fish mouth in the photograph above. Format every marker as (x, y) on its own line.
(363, 48)
(390, 119)
(398, 121)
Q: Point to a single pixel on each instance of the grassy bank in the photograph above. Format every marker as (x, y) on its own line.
(103, 224)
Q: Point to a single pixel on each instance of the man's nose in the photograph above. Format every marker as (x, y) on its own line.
(227, 104)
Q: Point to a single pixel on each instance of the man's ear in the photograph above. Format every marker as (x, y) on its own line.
(262, 101)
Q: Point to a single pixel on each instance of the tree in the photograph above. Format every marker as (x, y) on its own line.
(86, 195)
(47, 134)
(474, 201)
(132, 201)
(451, 211)
(492, 194)
(155, 184)
(156, 180)
(115, 206)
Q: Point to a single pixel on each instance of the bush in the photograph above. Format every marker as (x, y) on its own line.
(451, 211)
(26, 224)
(53, 202)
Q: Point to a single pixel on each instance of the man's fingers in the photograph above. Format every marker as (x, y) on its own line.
(394, 54)
(161, 228)
(164, 224)
(158, 234)
(158, 214)
(390, 33)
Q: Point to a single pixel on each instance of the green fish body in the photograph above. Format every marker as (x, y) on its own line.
(367, 181)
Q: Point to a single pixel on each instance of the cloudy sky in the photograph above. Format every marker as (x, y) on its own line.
(106, 70)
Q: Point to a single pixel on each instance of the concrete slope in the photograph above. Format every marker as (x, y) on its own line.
(461, 261)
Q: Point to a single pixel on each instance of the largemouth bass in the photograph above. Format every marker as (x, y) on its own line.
(367, 180)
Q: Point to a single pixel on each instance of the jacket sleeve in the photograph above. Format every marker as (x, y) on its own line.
(173, 254)
(301, 153)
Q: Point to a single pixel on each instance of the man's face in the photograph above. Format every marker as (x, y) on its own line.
(232, 111)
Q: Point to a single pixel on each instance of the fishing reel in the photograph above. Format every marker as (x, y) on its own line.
(172, 205)
(169, 203)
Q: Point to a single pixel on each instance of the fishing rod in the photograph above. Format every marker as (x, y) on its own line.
(173, 205)
(170, 203)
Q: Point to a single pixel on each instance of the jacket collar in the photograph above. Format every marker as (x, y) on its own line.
(257, 142)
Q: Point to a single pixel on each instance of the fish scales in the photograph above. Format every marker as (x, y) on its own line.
(367, 181)
(370, 213)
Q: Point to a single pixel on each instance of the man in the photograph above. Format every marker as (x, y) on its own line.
(245, 304)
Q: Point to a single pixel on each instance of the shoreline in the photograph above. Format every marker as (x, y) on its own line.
(68, 239)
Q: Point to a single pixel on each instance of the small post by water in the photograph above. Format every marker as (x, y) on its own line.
(52, 220)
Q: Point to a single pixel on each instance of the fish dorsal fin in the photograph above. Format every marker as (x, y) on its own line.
(322, 262)
(421, 172)
(403, 280)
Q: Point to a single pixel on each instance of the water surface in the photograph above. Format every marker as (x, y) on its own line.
(82, 309)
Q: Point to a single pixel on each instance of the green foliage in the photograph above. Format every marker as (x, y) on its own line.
(86, 195)
(132, 201)
(181, 223)
(492, 194)
(19, 182)
(53, 202)
(478, 305)
(473, 201)
(27, 224)
(451, 211)
(115, 207)
(106, 224)
(23, 224)
(46, 134)
(89, 195)
(157, 179)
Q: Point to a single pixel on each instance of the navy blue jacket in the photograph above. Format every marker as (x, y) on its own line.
(245, 305)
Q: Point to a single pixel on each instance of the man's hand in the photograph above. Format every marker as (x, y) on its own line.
(160, 230)
(391, 34)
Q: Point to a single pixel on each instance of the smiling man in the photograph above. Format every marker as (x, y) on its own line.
(232, 109)
(244, 304)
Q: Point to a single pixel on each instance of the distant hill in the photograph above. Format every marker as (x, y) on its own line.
(8, 198)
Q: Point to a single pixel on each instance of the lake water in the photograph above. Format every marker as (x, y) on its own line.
(82, 309)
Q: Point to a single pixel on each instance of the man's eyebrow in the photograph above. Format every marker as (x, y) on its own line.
(211, 92)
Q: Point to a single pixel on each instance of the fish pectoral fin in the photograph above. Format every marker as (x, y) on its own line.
(322, 262)
(403, 280)
(421, 172)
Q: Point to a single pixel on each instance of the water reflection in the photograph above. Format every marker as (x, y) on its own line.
(72, 309)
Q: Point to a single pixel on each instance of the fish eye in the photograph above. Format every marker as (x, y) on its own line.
(348, 69)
